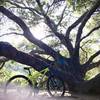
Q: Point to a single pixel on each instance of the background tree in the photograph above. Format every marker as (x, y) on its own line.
(69, 32)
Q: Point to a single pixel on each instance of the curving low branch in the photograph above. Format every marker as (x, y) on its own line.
(41, 58)
(34, 61)
(12, 53)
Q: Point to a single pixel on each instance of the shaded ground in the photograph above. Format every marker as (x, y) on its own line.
(45, 96)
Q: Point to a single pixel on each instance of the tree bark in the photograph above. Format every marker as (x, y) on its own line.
(91, 86)
(70, 78)
(12, 53)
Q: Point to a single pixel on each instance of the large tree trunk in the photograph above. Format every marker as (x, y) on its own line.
(91, 86)
(71, 78)
(12, 53)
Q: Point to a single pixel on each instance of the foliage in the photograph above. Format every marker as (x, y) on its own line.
(67, 32)
(2, 2)
(38, 77)
(4, 75)
(92, 73)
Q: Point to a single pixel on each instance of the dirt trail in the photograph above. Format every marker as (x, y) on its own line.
(45, 96)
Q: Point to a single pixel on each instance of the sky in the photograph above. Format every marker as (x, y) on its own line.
(38, 31)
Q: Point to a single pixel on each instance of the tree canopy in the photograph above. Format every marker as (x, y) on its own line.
(69, 28)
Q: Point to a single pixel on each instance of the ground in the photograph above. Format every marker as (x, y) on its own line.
(44, 96)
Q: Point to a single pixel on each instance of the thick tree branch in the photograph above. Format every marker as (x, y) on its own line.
(91, 86)
(80, 29)
(27, 32)
(67, 39)
(12, 53)
(88, 67)
(13, 17)
(84, 21)
(89, 64)
(41, 58)
(93, 57)
(37, 52)
(93, 65)
(75, 24)
(51, 24)
(62, 38)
